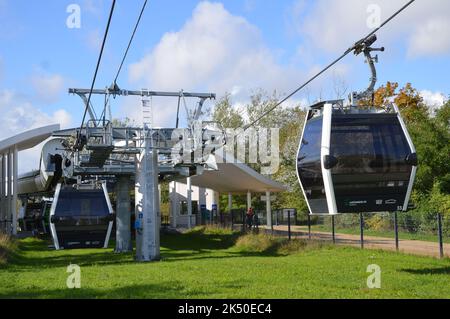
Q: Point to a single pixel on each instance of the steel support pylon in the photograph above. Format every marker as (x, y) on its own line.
(148, 217)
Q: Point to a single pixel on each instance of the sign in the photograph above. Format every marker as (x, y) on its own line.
(272, 198)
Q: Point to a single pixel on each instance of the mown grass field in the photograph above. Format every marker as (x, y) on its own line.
(211, 265)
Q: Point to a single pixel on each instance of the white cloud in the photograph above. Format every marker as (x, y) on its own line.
(48, 87)
(334, 25)
(19, 115)
(214, 51)
(431, 38)
(434, 100)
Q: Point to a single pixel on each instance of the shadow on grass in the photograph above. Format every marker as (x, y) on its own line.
(167, 290)
(175, 247)
(198, 241)
(429, 271)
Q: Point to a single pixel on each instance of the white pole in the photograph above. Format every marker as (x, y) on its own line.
(2, 200)
(4, 204)
(268, 210)
(174, 205)
(249, 200)
(15, 180)
(10, 197)
(189, 202)
(230, 202)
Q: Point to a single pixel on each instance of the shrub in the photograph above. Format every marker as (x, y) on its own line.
(7, 247)
(256, 243)
(378, 222)
(264, 243)
(210, 230)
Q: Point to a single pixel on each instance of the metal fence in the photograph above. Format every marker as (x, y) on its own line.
(5, 226)
(407, 232)
(417, 234)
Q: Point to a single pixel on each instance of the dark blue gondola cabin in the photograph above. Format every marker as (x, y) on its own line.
(355, 160)
(81, 218)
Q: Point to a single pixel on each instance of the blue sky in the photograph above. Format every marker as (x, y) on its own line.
(232, 46)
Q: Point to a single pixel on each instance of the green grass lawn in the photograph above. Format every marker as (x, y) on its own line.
(387, 234)
(200, 265)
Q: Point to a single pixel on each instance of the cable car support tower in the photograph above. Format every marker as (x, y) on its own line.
(108, 150)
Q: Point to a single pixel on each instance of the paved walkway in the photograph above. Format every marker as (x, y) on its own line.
(415, 247)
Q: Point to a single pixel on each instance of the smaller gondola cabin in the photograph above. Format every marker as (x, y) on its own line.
(81, 218)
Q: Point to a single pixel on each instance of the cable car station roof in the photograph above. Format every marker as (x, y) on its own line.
(235, 177)
(28, 139)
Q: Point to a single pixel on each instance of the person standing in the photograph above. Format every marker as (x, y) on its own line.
(249, 218)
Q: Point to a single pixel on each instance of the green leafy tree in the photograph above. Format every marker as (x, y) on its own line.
(225, 114)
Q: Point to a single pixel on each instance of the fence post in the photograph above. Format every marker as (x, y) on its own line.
(333, 229)
(361, 228)
(441, 239)
(309, 226)
(232, 221)
(397, 246)
(289, 224)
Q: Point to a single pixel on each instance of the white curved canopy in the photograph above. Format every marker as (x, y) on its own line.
(28, 139)
(235, 177)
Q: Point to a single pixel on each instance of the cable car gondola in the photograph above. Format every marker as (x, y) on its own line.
(81, 217)
(353, 159)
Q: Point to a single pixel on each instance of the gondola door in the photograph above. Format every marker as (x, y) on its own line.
(314, 181)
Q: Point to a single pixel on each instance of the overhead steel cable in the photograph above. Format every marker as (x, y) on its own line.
(131, 41)
(97, 68)
(328, 66)
(114, 86)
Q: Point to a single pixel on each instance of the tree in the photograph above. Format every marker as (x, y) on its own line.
(225, 114)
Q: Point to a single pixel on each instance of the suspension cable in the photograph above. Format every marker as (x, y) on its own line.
(114, 85)
(328, 66)
(130, 42)
(97, 67)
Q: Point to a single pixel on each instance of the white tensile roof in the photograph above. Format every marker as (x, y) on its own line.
(235, 177)
(28, 139)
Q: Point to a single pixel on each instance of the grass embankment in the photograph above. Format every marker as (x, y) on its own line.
(212, 263)
(7, 248)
